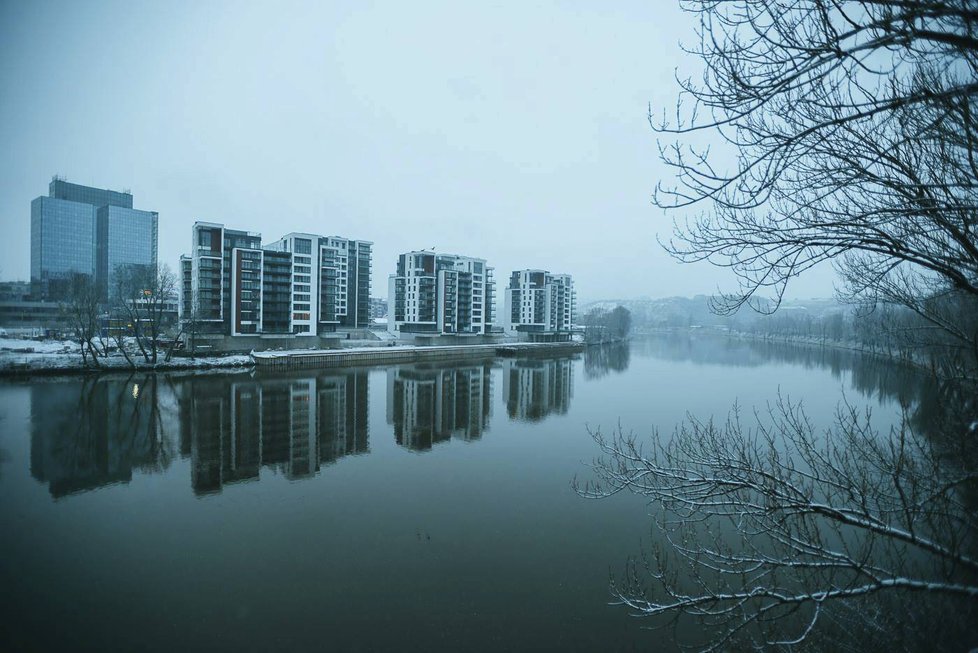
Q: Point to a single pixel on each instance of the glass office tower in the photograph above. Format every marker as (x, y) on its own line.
(63, 190)
(62, 239)
(124, 237)
(90, 231)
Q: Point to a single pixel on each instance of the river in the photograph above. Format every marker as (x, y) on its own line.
(419, 507)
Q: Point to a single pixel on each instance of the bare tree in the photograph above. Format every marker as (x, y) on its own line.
(146, 295)
(761, 532)
(851, 138)
(83, 311)
(601, 324)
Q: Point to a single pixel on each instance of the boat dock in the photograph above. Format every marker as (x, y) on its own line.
(314, 358)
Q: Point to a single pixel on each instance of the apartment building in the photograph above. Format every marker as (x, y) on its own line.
(301, 284)
(440, 294)
(538, 302)
(330, 281)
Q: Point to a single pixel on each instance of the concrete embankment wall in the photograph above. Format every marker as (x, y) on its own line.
(380, 355)
(209, 345)
(427, 340)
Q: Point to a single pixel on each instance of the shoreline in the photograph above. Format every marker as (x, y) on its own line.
(70, 364)
(39, 367)
(317, 359)
(800, 342)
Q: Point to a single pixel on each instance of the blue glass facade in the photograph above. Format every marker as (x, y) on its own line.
(125, 237)
(90, 231)
(62, 238)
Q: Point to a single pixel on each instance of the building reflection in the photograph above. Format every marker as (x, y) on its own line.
(233, 428)
(90, 433)
(535, 388)
(427, 404)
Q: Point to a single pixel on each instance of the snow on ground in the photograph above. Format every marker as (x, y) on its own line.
(18, 355)
(37, 346)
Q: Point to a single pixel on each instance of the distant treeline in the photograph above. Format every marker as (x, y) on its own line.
(603, 325)
(889, 329)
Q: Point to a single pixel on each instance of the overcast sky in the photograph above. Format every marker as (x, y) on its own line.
(513, 131)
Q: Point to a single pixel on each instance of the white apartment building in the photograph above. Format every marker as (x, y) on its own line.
(302, 284)
(438, 294)
(537, 301)
(330, 281)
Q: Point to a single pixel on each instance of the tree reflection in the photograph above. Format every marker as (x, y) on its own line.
(90, 433)
(93, 432)
(925, 397)
(601, 360)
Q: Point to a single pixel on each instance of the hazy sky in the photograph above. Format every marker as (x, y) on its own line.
(513, 131)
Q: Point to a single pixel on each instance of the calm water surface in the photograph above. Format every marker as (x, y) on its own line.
(422, 507)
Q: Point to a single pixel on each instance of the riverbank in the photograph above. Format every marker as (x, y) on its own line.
(306, 359)
(35, 358)
(58, 357)
(900, 358)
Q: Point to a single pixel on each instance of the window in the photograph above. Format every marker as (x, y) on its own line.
(303, 246)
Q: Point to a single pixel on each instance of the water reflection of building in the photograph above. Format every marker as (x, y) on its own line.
(89, 433)
(234, 428)
(429, 404)
(535, 387)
